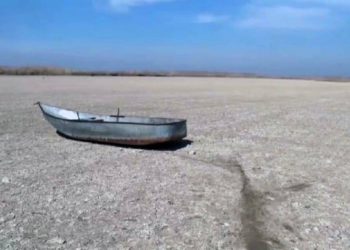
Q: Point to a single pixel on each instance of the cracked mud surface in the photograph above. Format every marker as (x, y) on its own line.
(267, 167)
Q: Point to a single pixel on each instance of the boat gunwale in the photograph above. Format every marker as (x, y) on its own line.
(179, 121)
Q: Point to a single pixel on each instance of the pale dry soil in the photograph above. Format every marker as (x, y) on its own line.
(268, 166)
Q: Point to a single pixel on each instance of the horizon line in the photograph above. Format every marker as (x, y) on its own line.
(60, 71)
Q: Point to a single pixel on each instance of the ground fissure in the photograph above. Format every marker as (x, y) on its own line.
(252, 207)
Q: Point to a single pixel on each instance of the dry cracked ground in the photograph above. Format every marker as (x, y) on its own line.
(266, 165)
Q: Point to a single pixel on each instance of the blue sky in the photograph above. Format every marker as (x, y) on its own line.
(291, 37)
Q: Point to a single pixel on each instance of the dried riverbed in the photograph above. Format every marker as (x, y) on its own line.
(265, 166)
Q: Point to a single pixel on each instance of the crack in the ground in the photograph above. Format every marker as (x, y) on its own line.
(252, 203)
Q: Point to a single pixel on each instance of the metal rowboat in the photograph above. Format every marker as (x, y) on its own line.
(114, 129)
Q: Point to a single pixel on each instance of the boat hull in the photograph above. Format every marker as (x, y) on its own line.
(126, 142)
(119, 133)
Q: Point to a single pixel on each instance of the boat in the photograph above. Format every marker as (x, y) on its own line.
(114, 129)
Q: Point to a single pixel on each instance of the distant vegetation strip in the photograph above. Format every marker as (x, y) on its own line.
(61, 72)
